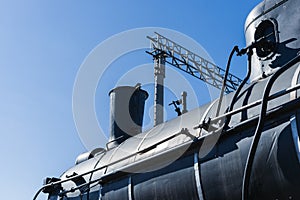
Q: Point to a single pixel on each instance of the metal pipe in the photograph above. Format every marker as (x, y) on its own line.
(235, 49)
(183, 102)
(159, 75)
(235, 97)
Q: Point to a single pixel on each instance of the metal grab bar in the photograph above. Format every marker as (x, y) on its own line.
(258, 102)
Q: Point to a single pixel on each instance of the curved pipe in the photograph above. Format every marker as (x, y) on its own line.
(235, 49)
(235, 97)
(260, 126)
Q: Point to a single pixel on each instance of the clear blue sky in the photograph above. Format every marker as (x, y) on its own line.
(43, 44)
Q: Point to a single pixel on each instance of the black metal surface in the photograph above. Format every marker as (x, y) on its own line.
(115, 190)
(162, 183)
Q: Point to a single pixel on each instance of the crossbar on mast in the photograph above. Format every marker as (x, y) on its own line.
(191, 63)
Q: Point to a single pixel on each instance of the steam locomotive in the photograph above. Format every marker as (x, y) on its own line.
(251, 150)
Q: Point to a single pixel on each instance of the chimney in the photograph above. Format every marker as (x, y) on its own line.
(126, 113)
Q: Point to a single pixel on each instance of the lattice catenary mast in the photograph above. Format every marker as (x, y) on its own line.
(164, 51)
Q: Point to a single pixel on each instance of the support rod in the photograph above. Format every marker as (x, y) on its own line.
(183, 102)
(159, 76)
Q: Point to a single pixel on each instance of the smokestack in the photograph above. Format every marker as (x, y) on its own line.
(126, 113)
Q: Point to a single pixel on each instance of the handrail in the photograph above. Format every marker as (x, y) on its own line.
(256, 103)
